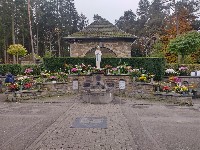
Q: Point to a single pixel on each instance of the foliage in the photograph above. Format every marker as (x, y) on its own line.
(127, 22)
(46, 16)
(37, 69)
(48, 54)
(14, 69)
(155, 21)
(185, 44)
(157, 50)
(17, 49)
(173, 26)
(152, 65)
(17, 69)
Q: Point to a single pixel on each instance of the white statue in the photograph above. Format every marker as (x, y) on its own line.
(98, 57)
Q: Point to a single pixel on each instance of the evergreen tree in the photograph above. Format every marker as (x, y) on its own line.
(142, 13)
(127, 22)
(97, 17)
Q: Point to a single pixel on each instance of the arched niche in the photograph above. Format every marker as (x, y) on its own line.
(106, 52)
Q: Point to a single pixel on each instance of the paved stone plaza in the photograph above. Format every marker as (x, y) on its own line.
(131, 125)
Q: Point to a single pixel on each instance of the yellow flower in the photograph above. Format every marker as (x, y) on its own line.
(184, 88)
(142, 78)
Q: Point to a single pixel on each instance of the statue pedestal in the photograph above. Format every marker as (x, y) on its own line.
(98, 64)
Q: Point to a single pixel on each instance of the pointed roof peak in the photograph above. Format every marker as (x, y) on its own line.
(101, 28)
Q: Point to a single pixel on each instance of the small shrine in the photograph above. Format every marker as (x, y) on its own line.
(113, 42)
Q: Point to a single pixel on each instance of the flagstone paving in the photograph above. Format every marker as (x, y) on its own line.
(131, 125)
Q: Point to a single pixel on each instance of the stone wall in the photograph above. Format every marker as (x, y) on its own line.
(83, 83)
(121, 49)
(109, 81)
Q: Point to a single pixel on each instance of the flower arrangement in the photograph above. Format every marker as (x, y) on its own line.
(27, 85)
(39, 80)
(68, 68)
(53, 78)
(45, 74)
(13, 86)
(135, 72)
(28, 71)
(62, 76)
(181, 89)
(170, 72)
(22, 80)
(166, 89)
(174, 79)
(74, 70)
(184, 71)
(143, 78)
(123, 69)
(114, 70)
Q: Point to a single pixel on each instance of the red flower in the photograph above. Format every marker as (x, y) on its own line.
(166, 88)
(27, 85)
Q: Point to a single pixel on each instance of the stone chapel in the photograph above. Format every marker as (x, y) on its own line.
(113, 42)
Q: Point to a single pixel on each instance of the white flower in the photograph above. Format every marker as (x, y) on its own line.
(170, 71)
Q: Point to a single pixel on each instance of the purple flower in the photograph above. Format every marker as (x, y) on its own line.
(28, 71)
(183, 68)
(177, 80)
(74, 70)
(53, 77)
(114, 69)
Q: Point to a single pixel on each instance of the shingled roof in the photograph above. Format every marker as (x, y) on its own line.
(101, 29)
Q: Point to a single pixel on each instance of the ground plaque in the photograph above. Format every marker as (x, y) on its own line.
(75, 85)
(90, 122)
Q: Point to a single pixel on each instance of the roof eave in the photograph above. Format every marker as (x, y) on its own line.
(70, 39)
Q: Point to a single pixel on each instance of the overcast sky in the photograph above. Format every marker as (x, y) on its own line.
(109, 9)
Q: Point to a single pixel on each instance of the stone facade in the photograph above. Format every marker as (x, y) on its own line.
(120, 48)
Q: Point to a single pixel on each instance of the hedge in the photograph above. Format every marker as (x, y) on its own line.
(17, 69)
(152, 65)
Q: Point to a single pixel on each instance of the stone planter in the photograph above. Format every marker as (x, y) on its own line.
(100, 96)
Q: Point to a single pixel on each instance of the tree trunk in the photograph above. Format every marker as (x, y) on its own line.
(37, 41)
(23, 39)
(31, 34)
(59, 52)
(17, 56)
(5, 53)
(13, 33)
(182, 59)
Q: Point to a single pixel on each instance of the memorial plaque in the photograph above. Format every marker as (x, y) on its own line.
(90, 122)
(110, 84)
(86, 84)
(75, 85)
(122, 84)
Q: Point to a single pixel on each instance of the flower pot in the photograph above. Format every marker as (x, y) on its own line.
(53, 81)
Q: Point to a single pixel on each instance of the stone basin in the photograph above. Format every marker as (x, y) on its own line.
(98, 96)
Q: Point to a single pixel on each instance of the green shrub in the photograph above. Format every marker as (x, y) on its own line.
(36, 69)
(17, 69)
(152, 65)
(14, 69)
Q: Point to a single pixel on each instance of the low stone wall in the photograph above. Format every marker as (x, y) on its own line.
(44, 90)
(110, 81)
(81, 85)
(174, 98)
